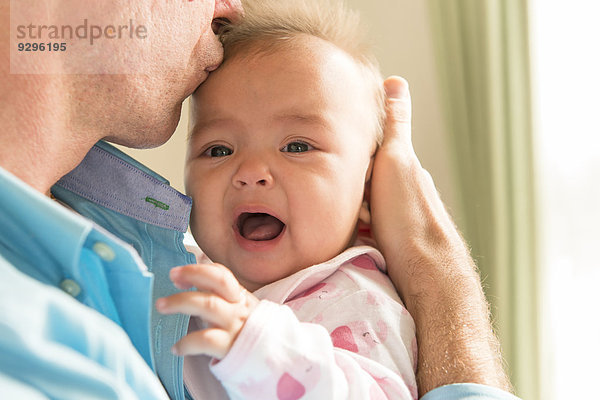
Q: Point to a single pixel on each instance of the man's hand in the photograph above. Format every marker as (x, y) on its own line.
(429, 262)
(220, 301)
(409, 220)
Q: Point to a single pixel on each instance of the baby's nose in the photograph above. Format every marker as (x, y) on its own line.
(253, 173)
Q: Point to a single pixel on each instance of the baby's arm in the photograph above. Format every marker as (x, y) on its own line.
(277, 356)
(220, 301)
(266, 352)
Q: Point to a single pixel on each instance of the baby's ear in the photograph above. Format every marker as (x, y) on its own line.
(365, 210)
(369, 171)
(364, 215)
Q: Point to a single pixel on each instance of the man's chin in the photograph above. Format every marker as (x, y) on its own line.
(149, 136)
(141, 143)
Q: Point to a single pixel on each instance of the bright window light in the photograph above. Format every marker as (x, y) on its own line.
(566, 78)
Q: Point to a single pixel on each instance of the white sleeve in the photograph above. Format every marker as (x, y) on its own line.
(278, 357)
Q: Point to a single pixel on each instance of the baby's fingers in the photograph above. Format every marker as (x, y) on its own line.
(211, 308)
(213, 342)
(213, 278)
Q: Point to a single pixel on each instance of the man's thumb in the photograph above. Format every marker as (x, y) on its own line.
(396, 88)
(398, 109)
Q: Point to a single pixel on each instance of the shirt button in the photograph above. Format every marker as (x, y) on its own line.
(70, 287)
(104, 251)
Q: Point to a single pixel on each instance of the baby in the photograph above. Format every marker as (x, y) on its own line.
(282, 141)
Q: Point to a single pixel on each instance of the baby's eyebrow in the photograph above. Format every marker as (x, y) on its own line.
(206, 124)
(312, 119)
(304, 118)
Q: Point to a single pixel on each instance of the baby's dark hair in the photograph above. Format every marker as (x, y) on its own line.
(270, 25)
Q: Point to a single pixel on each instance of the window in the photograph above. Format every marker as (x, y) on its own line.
(566, 75)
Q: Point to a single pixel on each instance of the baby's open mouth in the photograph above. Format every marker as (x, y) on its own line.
(259, 226)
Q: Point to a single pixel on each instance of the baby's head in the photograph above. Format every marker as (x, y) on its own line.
(282, 140)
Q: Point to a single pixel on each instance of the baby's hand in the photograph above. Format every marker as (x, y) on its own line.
(220, 301)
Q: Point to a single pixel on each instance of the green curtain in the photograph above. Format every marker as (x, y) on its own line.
(482, 56)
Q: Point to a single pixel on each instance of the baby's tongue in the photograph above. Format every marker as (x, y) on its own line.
(261, 227)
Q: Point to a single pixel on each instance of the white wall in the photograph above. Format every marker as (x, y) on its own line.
(401, 35)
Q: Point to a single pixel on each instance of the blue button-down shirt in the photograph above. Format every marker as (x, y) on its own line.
(47, 249)
(140, 208)
(53, 345)
(76, 302)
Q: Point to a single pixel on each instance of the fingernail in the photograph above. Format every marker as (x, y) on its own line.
(396, 88)
(175, 350)
(174, 273)
(161, 304)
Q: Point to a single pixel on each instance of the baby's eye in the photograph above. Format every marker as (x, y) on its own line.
(218, 151)
(297, 147)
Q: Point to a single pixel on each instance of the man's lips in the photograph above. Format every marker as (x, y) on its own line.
(213, 67)
(202, 77)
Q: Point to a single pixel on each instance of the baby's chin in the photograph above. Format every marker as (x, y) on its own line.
(254, 276)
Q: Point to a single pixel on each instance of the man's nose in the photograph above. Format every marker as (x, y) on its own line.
(252, 173)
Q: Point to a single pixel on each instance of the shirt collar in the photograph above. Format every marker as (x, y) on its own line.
(110, 178)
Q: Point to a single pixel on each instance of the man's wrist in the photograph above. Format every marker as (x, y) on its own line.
(454, 333)
(426, 271)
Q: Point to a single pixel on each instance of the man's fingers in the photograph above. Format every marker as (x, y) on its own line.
(399, 110)
(213, 342)
(211, 308)
(213, 278)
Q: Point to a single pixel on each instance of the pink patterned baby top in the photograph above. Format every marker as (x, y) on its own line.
(336, 330)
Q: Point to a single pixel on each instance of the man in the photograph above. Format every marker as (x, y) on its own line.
(76, 314)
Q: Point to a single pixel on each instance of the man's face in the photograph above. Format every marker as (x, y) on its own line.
(277, 162)
(141, 107)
